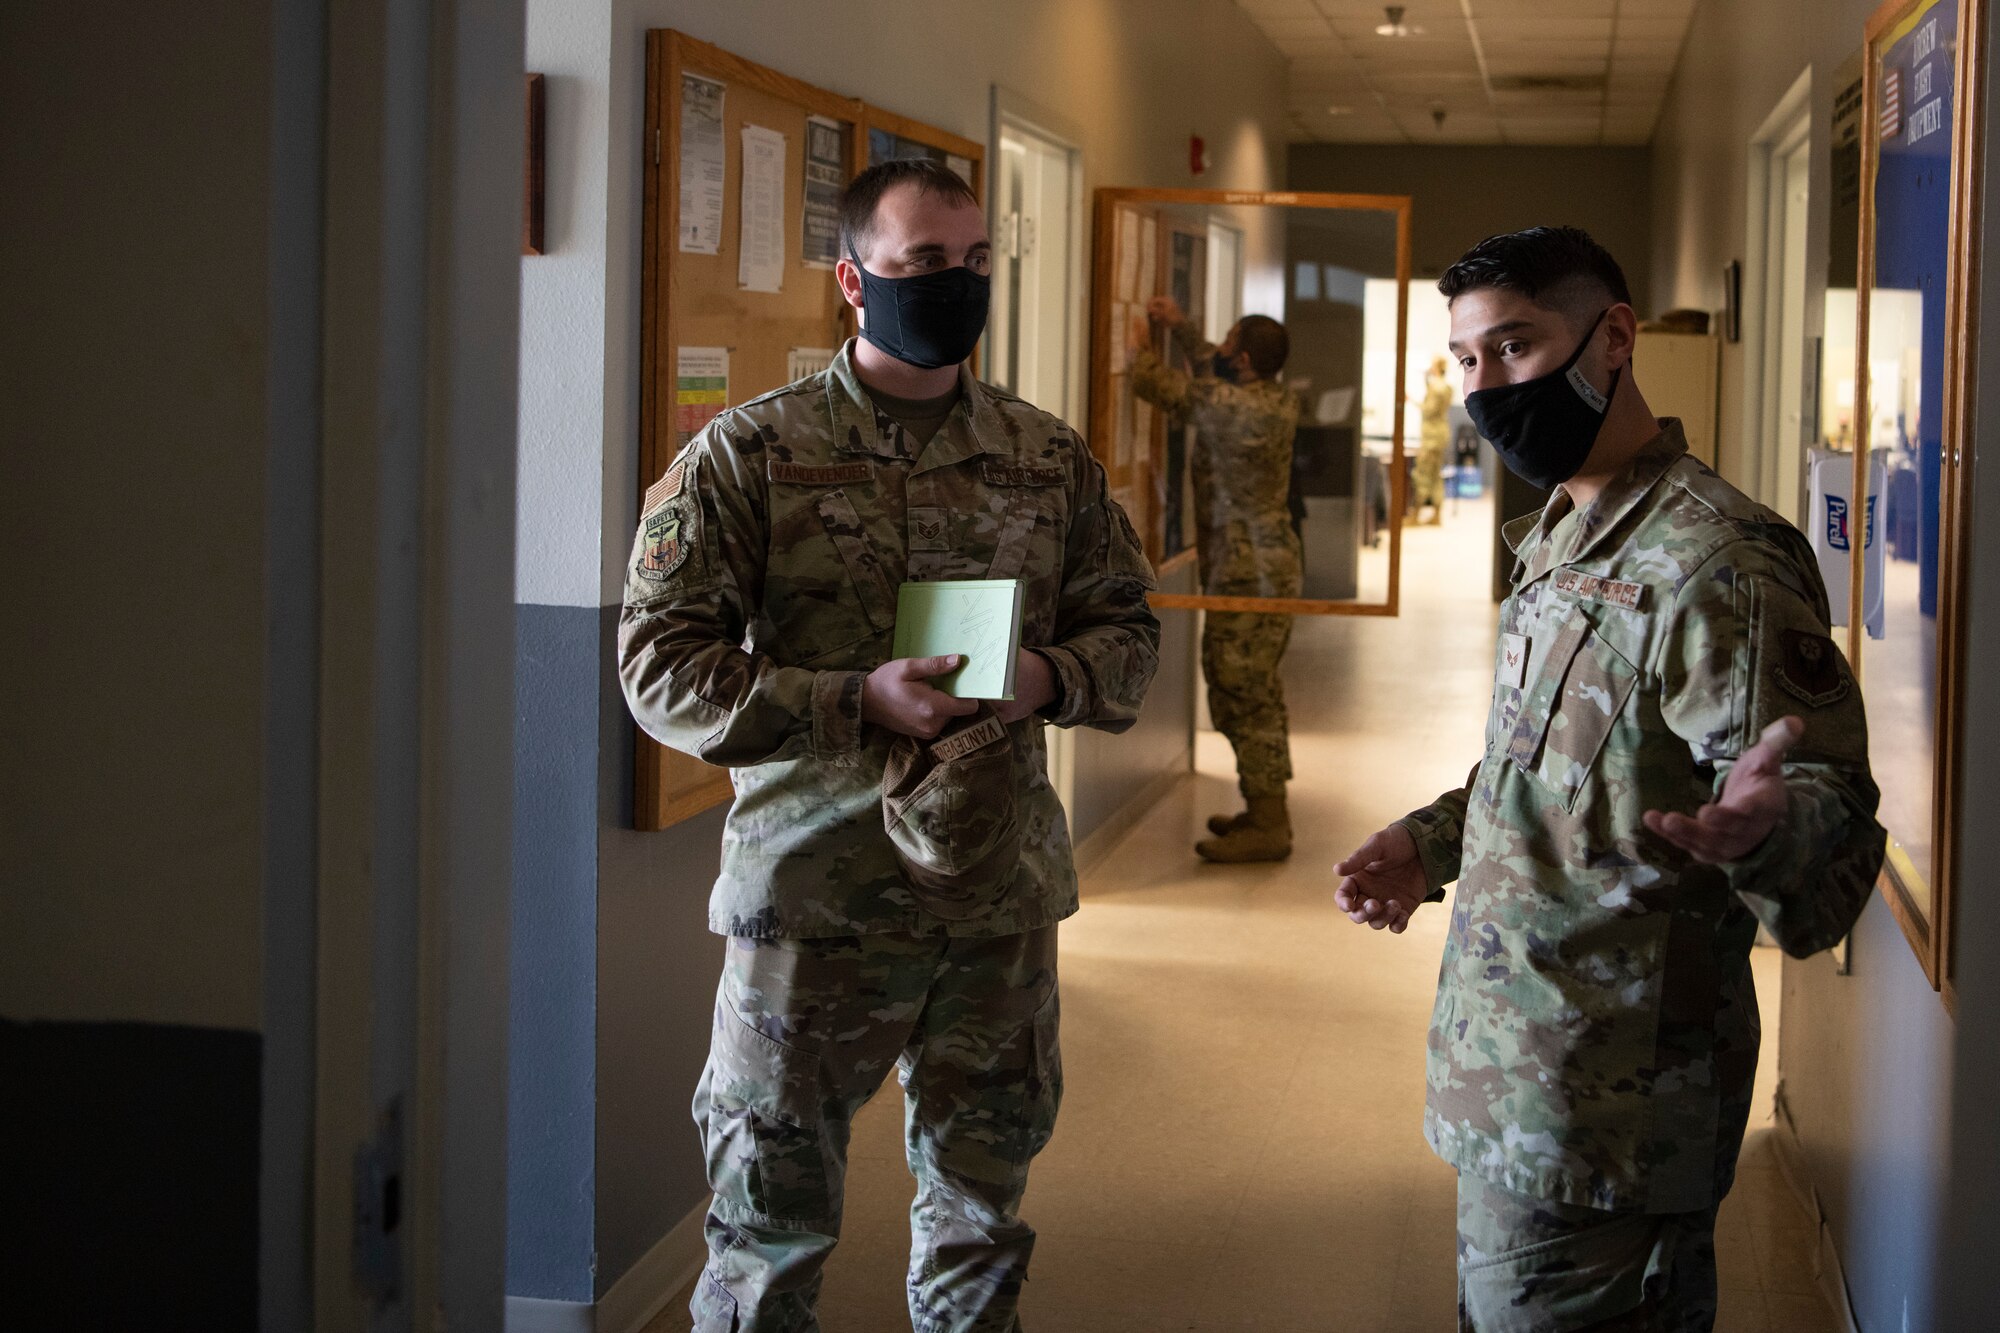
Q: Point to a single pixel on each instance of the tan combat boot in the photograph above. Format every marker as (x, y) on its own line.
(1266, 837)
(1221, 824)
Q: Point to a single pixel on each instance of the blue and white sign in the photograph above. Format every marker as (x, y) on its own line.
(1832, 530)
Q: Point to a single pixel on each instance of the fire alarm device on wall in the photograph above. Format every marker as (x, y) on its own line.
(1197, 154)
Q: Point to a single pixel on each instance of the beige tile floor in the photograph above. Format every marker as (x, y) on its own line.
(1240, 1146)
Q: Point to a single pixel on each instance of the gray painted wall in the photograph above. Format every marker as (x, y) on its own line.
(553, 965)
(1866, 1061)
(1112, 771)
(134, 254)
(1969, 1285)
(1461, 195)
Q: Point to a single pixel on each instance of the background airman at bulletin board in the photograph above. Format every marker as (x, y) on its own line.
(738, 295)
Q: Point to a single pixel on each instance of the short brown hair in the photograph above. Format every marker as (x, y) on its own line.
(863, 195)
(1267, 343)
(1558, 268)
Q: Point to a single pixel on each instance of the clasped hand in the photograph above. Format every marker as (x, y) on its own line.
(899, 694)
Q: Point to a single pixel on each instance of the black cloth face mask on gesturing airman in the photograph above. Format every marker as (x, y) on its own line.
(926, 320)
(1543, 428)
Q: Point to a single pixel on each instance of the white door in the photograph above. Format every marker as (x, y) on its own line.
(1225, 281)
(1792, 172)
(1777, 380)
(1035, 338)
(1032, 323)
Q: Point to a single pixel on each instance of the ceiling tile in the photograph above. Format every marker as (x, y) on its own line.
(1555, 13)
(1259, 9)
(1285, 29)
(1335, 58)
(1550, 98)
(1500, 67)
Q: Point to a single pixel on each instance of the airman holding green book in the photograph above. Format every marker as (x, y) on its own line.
(895, 861)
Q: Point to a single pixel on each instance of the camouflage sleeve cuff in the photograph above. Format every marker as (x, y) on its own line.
(1052, 710)
(1440, 856)
(1191, 342)
(1073, 707)
(836, 712)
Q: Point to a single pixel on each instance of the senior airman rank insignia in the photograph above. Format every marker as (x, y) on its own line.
(1811, 668)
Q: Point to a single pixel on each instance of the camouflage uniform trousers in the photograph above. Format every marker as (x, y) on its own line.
(1529, 1265)
(1429, 485)
(1241, 652)
(805, 1032)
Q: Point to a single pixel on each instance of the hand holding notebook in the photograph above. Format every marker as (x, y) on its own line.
(979, 619)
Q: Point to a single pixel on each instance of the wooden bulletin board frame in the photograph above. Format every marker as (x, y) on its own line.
(693, 300)
(1900, 883)
(1104, 402)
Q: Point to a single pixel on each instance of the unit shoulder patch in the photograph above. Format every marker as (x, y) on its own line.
(663, 547)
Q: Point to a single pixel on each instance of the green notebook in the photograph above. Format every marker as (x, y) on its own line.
(979, 618)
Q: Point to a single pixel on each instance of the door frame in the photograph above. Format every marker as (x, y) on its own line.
(394, 326)
(1009, 110)
(1782, 131)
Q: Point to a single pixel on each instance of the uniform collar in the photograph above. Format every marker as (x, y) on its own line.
(1619, 498)
(975, 426)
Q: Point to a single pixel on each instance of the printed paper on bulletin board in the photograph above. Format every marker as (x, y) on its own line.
(701, 168)
(701, 389)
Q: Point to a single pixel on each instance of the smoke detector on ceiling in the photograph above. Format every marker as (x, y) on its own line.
(1395, 27)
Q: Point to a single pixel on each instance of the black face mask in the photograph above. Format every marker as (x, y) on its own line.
(1224, 370)
(927, 320)
(1543, 428)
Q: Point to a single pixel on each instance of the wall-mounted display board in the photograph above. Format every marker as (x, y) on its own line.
(738, 295)
(1334, 269)
(1921, 146)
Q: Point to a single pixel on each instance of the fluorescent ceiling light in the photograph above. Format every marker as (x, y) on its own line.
(1395, 27)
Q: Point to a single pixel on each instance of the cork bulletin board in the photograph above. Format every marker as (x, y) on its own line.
(1130, 436)
(738, 296)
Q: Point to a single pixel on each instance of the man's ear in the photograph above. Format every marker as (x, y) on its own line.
(848, 276)
(1621, 325)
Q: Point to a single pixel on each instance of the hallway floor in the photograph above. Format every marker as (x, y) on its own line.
(1240, 1144)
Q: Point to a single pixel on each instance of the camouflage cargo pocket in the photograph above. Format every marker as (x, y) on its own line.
(1046, 1074)
(762, 1131)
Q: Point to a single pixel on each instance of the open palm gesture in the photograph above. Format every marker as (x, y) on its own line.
(1752, 803)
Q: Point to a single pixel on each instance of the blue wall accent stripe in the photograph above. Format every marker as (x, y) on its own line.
(552, 1073)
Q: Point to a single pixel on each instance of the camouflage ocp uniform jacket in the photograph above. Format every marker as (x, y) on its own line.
(1595, 1034)
(762, 590)
(1242, 470)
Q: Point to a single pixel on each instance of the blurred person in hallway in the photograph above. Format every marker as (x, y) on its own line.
(1433, 443)
(1247, 545)
(894, 863)
(1676, 751)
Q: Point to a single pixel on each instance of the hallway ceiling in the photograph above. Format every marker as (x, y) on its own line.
(1502, 71)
